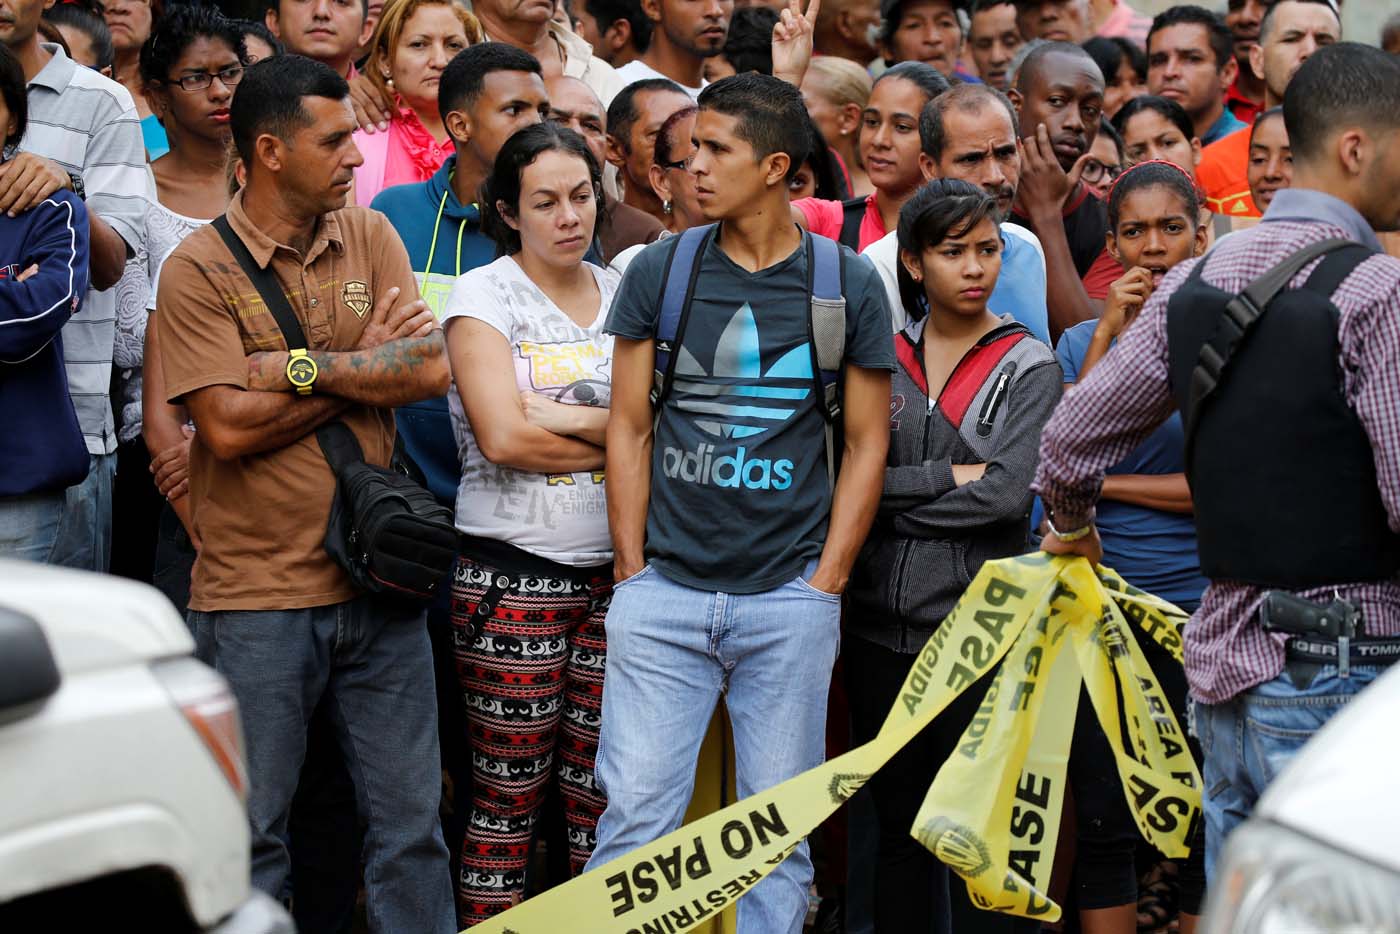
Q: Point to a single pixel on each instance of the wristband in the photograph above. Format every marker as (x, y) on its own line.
(1072, 535)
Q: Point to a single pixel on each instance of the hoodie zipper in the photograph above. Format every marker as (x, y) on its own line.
(906, 550)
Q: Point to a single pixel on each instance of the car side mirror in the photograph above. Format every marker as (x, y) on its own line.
(28, 674)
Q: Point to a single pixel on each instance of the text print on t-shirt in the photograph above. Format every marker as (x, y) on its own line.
(573, 372)
(737, 400)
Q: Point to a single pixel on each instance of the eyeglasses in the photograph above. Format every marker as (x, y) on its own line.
(1096, 172)
(681, 164)
(197, 82)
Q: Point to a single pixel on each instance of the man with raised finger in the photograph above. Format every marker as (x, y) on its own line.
(271, 610)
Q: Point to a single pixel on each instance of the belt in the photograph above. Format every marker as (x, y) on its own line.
(1371, 653)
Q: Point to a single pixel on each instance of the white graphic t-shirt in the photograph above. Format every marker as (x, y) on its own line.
(562, 517)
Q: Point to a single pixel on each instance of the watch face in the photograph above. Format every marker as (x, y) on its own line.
(301, 371)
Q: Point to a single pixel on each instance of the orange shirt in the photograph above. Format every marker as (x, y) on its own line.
(1223, 174)
(262, 517)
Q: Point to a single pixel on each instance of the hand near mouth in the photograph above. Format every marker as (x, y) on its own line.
(1045, 185)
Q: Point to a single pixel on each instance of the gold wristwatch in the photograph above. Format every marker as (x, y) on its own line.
(301, 371)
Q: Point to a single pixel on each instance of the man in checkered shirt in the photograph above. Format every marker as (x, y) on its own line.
(1255, 703)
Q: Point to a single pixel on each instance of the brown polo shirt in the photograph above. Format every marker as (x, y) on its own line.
(262, 518)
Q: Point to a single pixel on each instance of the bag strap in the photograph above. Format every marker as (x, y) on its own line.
(1241, 315)
(1335, 268)
(826, 327)
(677, 290)
(852, 215)
(338, 442)
(265, 281)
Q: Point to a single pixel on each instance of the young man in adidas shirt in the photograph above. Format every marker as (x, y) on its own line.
(732, 550)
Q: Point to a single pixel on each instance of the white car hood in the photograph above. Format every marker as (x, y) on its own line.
(92, 620)
(1342, 787)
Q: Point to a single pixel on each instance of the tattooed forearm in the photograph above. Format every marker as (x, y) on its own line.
(392, 374)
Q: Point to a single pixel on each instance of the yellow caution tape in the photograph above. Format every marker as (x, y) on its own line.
(993, 811)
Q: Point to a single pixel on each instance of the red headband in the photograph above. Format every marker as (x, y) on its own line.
(1200, 195)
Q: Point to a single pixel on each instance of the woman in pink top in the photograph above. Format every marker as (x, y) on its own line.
(412, 44)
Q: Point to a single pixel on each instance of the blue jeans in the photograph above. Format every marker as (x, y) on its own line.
(85, 532)
(373, 666)
(29, 526)
(671, 652)
(1250, 738)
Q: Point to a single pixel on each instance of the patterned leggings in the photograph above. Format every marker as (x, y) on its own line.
(530, 651)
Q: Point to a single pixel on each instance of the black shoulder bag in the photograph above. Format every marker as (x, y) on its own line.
(391, 535)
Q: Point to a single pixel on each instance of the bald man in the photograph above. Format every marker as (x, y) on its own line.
(573, 104)
(848, 29)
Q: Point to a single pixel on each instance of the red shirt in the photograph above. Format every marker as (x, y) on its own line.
(825, 218)
(1244, 109)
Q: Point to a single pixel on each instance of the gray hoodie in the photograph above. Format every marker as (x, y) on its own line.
(931, 535)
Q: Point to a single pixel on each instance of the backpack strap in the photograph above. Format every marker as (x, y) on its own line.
(852, 215)
(1239, 318)
(826, 327)
(677, 289)
(828, 317)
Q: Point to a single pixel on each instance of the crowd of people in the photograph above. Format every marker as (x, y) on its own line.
(734, 338)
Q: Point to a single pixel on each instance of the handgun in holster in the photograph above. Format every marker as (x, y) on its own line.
(1292, 615)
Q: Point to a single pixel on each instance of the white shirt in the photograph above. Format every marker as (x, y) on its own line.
(562, 517)
(638, 70)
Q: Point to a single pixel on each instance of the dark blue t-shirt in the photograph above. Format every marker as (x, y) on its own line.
(739, 490)
(1150, 548)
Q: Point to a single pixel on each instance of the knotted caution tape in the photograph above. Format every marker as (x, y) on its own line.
(993, 811)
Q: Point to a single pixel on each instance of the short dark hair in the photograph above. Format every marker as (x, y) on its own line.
(276, 6)
(981, 6)
(89, 24)
(607, 12)
(177, 30)
(1222, 43)
(1109, 53)
(921, 74)
(1267, 20)
(268, 99)
(749, 45)
(622, 112)
(465, 76)
(1107, 131)
(1169, 109)
(15, 91)
(1035, 60)
(1153, 174)
(968, 98)
(940, 208)
(503, 184)
(258, 29)
(1340, 85)
(769, 111)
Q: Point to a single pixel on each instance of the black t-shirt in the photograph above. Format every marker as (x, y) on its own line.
(1086, 224)
(739, 492)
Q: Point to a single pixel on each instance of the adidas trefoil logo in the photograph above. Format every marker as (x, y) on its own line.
(738, 400)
